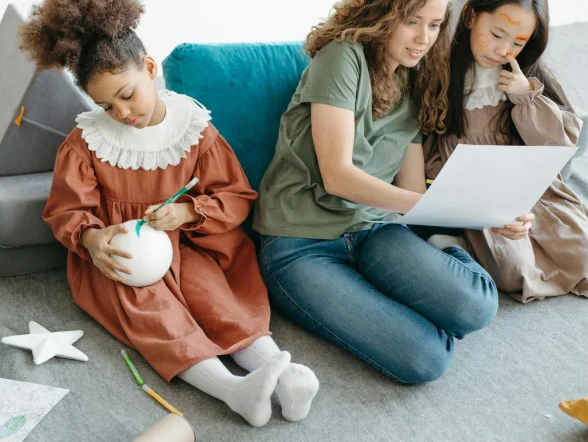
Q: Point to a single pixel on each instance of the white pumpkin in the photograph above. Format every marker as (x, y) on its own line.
(152, 254)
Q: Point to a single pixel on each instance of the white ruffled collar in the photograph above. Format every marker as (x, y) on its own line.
(485, 92)
(153, 146)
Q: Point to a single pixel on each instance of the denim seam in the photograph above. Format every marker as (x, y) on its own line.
(348, 249)
(268, 239)
(389, 374)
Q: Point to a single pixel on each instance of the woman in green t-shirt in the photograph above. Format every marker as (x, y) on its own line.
(349, 158)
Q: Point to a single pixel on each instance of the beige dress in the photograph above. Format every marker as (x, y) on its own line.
(553, 259)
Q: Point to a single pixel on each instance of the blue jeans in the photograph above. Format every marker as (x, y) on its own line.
(384, 294)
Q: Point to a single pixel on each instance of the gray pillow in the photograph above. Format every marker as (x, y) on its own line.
(50, 99)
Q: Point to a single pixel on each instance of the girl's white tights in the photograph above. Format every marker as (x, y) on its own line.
(250, 395)
(297, 385)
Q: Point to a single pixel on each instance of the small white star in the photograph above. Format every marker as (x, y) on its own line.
(46, 344)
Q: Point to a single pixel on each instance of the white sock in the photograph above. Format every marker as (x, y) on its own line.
(297, 384)
(250, 396)
(444, 241)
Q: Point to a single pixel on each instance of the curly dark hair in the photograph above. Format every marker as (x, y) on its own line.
(86, 37)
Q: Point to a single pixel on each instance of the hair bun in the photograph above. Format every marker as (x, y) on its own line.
(57, 30)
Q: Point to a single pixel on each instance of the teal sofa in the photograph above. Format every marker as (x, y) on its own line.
(247, 87)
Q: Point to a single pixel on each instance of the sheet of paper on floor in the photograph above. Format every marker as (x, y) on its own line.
(23, 405)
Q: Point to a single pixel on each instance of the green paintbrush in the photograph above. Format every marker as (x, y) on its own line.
(183, 190)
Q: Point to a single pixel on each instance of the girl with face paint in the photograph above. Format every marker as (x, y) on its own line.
(501, 94)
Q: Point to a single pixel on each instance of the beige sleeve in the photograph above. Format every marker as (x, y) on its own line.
(433, 160)
(540, 121)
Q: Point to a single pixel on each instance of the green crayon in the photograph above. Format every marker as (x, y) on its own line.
(132, 367)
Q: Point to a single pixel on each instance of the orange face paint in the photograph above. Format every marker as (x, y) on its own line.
(523, 37)
(515, 54)
(483, 41)
(510, 20)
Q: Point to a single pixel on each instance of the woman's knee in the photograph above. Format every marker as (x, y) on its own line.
(422, 365)
(476, 308)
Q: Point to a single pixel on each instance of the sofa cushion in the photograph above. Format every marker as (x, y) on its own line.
(50, 100)
(246, 86)
(51, 105)
(566, 173)
(22, 200)
(30, 259)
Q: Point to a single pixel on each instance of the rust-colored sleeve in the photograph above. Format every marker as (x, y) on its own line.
(74, 199)
(222, 196)
(540, 121)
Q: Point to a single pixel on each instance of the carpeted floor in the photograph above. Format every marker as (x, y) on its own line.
(504, 384)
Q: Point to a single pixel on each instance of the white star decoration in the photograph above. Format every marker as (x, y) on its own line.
(45, 344)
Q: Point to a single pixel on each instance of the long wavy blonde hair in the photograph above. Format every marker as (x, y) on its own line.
(372, 23)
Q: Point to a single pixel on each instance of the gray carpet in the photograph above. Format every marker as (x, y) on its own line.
(504, 384)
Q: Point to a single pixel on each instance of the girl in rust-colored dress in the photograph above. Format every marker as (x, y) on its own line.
(118, 164)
